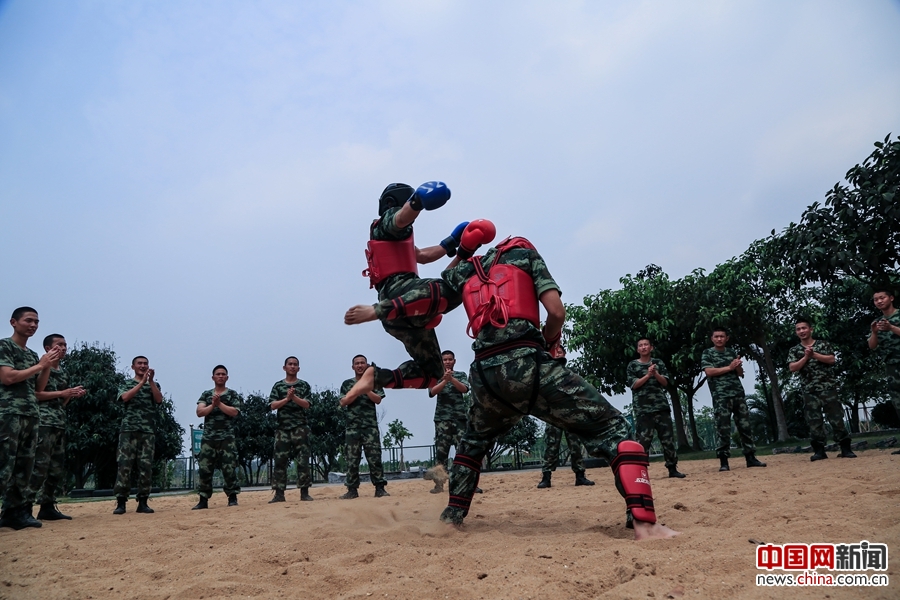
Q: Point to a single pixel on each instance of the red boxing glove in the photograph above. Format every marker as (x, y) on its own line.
(476, 233)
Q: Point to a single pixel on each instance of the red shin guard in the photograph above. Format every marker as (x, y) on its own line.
(630, 469)
(435, 304)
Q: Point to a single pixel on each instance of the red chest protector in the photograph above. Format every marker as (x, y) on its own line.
(389, 258)
(502, 293)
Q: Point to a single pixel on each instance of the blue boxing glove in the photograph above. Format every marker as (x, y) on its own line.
(451, 243)
(430, 195)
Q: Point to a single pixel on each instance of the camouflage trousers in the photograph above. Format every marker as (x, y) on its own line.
(421, 344)
(49, 465)
(817, 402)
(659, 421)
(135, 447)
(532, 385)
(356, 442)
(218, 453)
(446, 434)
(553, 440)
(291, 444)
(18, 442)
(893, 385)
(724, 406)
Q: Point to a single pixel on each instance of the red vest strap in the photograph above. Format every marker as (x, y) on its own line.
(389, 258)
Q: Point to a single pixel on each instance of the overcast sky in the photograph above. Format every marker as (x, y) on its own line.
(195, 181)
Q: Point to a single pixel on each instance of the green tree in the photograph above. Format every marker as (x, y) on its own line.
(327, 423)
(606, 328)
(254, 432)
(521, 438)
(856, 233)
(397, 434)
(93, 421)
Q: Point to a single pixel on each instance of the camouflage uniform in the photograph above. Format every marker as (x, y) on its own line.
(362, 434)
(217, 448)
(728, 398)
(291, 435)
(522, 379)
(650, 405)
(50, 461)
(421, 343)
(552, 440)
(137, 440)
(449, 418)
(819, 394)
(889, 349)
(19, 418)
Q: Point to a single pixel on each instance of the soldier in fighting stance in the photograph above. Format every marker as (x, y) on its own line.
(518, 371)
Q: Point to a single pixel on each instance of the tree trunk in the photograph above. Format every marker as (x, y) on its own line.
(771, 425)
(854, 416)
(698, 446)
(680, 434)
(769, 368)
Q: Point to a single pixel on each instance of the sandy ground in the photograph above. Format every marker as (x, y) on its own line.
(518, 542)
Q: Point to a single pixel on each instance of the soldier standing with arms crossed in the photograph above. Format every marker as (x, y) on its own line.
(813, 361)
(50, 461)
(362, 433)
(137, 438)
(647, 378)
(218, 407)
(723, 368)
(885, 338)
(19, 416)
(289, 398)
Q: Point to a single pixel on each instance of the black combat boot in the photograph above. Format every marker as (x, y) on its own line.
(204, 503)
(673, 472)
(120, 505)
(545, 480)
(278, 497)
(304, 495)
(478, 490)
(380, 492)
(438, 487)
(818, 452)
(232, 500)
(846, 452)
(723, 463)
(49, 512)
(752, 461)
(143, 508)
(18, 518)
(351, 494)
(580, 479)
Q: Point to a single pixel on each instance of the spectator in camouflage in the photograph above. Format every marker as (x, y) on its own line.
(513, 376)
(137, 436)
(362, 433)
(20, 372)
(289, 399)
(647, 378)
(723, 369)
(449, 413)
(552, 442)
(885, 339)
(50, 460)
(813, 360)
(218, 407)
(416, 331)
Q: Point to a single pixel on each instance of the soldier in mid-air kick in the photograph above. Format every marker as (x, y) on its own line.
(409, 306)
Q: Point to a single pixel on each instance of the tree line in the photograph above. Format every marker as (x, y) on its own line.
(824, 267)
